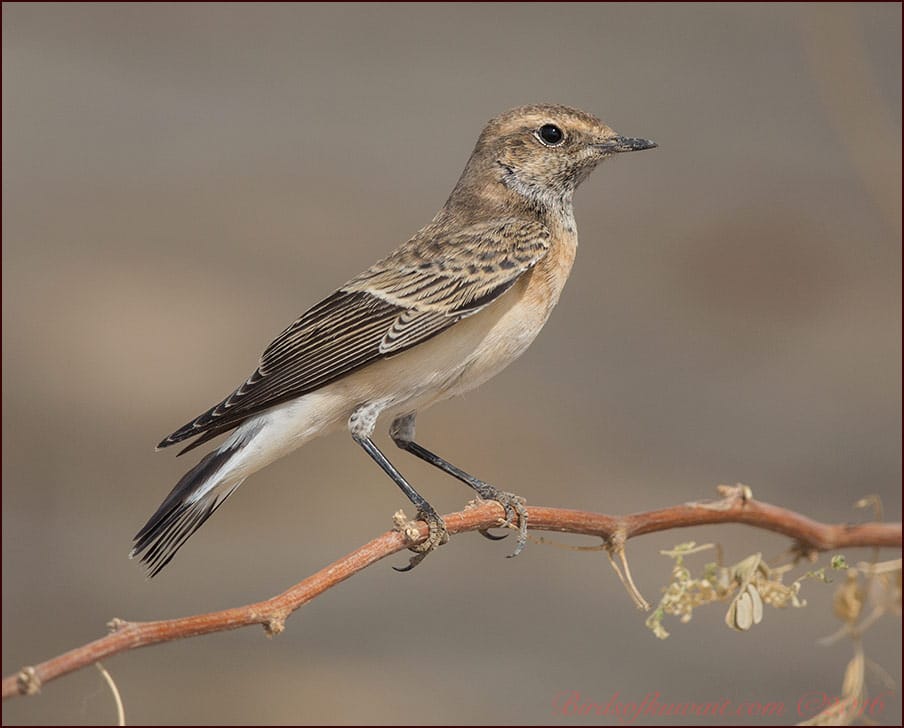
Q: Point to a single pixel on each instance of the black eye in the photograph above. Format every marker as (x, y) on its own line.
(550, 134)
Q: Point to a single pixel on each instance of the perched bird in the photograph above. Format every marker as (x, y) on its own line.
(438, 316)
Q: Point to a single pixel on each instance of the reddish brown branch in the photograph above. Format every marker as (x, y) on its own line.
(272, 613)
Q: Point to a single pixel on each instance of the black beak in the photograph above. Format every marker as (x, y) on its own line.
(626, 144)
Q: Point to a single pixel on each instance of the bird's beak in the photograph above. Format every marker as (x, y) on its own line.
(625, 144)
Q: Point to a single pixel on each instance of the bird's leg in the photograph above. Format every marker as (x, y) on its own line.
(402, 433)
(361, 425)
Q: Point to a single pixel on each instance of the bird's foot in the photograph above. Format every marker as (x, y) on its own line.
(437, 535)
(515, 513)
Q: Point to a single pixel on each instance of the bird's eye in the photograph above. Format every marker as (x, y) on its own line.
(550, 135)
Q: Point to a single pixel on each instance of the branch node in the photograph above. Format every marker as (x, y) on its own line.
(274, 625)
(738, 491)
(116, 624)
(801, 551)
(28, 681)
(410, 531)
(732, 496)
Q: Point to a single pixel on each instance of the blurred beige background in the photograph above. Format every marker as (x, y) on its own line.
(180, 181)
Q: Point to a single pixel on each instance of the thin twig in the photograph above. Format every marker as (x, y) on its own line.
(735, 507)
(111, 683)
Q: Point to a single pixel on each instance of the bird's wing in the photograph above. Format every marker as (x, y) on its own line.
(423, 288)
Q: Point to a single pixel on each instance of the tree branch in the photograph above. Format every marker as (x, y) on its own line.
(735, 507)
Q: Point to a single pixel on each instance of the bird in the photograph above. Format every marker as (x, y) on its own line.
(440, 315)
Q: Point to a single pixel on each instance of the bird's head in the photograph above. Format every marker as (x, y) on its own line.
(544, 151)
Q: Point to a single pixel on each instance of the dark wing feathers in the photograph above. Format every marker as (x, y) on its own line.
(302, 359)
(420, 290)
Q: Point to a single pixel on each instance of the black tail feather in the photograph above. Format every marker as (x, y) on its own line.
(178, 517)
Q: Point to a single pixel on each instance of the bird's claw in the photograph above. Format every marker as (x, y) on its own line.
(485, 532)
(437, 535)
(515, 513)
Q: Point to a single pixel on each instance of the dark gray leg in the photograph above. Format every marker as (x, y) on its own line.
(361, 425)
(402, 433)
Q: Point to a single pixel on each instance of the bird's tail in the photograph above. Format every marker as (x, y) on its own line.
(196, 496)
